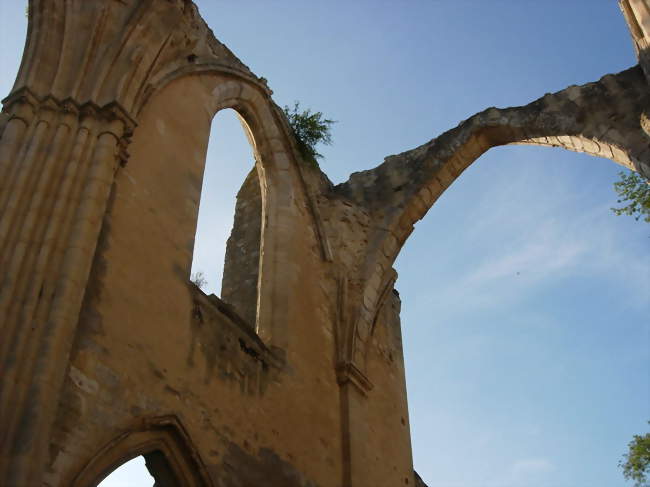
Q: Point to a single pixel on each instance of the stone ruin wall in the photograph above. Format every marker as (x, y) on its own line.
(295, 377)
(241, 267)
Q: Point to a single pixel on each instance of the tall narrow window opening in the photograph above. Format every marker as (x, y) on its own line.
(229, 207)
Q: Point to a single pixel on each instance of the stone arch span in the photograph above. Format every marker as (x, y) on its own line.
(603, 118)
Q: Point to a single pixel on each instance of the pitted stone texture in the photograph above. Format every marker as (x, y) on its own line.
(242, 261)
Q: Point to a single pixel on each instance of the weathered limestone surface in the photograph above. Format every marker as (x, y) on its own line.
(637, 15)
(295, 376)
(241, 268)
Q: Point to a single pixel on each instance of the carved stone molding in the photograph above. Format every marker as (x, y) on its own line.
(348, 373)
(160, 434)
(23, 104)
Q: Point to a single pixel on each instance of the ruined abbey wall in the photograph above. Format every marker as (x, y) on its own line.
(295, 376)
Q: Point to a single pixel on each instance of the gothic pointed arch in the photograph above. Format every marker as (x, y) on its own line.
(169, 454)
(603, 119)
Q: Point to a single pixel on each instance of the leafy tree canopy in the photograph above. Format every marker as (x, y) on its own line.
(636, 464)
(309, 130)
(634, 190)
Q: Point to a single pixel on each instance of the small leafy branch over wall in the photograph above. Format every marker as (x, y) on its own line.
(199, 280)
(634, 190)
(309, 129)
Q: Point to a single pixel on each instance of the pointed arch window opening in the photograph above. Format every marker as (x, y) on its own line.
(226, 253)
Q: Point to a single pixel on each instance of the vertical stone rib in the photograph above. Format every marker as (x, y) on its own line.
(28, 168)
(41, 288)
(41, 342)
(33, 222)
(12, 140)
(63, 203)
(77, 171)
(13, 171)
(94, 43)
(39, 224)
(140, 15)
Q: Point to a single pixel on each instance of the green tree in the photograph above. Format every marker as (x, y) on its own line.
(636, 462)
(309, 129)
(634, 190)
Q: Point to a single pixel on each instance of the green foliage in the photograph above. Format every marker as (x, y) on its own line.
(636, 466)
(309, 129)
(634, 189)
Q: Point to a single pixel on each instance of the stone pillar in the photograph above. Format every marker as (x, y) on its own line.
(57, 164)
(353, 334)
(354, 421)
(637, 15)
(242, 263)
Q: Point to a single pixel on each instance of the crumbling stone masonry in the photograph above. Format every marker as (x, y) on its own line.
(294, 378)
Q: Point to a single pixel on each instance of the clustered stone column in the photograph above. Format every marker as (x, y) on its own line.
(637, 15)
(57, 164)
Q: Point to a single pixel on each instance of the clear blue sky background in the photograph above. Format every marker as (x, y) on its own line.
(525, 301)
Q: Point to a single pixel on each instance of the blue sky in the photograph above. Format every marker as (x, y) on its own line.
(524, 299)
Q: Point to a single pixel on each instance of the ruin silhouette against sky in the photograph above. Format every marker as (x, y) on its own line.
(526, 338)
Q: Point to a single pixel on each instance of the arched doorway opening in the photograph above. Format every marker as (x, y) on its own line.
(161, 451)
(133, 473)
